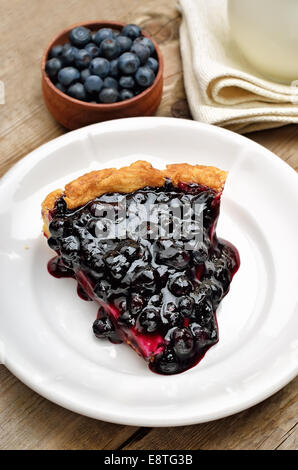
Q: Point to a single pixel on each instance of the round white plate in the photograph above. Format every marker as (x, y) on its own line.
(45, 328)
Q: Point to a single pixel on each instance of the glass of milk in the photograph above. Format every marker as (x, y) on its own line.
(266, 31)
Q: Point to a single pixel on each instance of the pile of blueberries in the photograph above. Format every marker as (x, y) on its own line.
(105, 66)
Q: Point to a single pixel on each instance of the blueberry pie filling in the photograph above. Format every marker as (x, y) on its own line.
(159, 282)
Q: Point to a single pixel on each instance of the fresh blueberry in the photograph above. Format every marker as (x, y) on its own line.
(128, 63)
(108, 95)
(146, 42)
(68, 54)
(152, 64)
(85, 73)
(143, 52)
(109, 48)
(125, 43)
(131, 30)
(126, 94)
(52, 67)
(77, 91)
(114, 72)
(145, 76)
(55, 51)
(60, 87)
(80, 36)
(82, 59)
(100, 66)
(68, 75)
(66, 46)
(149, 320)
(110, 82)
(93, 84)
(102, 327)
(126, 81)
(102, 34)
(183, 342)
(92, 49)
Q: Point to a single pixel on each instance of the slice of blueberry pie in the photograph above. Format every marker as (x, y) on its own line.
(141, 242)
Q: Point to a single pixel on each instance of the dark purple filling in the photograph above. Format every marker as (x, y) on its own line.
(157, 294)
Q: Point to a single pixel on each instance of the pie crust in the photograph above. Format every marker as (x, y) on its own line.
(131, 178)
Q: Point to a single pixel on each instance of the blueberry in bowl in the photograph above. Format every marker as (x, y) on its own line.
(123, 56)
(157, 289)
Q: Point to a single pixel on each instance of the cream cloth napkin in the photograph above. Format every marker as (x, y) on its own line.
(221, 87)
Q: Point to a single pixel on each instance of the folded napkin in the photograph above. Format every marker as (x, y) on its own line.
(221, 87)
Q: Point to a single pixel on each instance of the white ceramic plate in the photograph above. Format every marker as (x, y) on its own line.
(45, 329)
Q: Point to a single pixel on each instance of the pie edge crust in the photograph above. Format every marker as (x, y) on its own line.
(129, 179)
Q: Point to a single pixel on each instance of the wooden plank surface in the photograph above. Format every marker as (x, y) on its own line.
(28, 421)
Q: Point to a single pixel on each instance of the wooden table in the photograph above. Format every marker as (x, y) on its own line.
(28, 421)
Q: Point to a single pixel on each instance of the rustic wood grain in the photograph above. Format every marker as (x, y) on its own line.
(28, 421)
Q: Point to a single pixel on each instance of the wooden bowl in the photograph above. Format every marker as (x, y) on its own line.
(72, 113)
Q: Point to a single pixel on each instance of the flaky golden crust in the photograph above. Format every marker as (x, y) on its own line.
(87, 187)
(131, 178)
(125, 180)
(206, 175)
